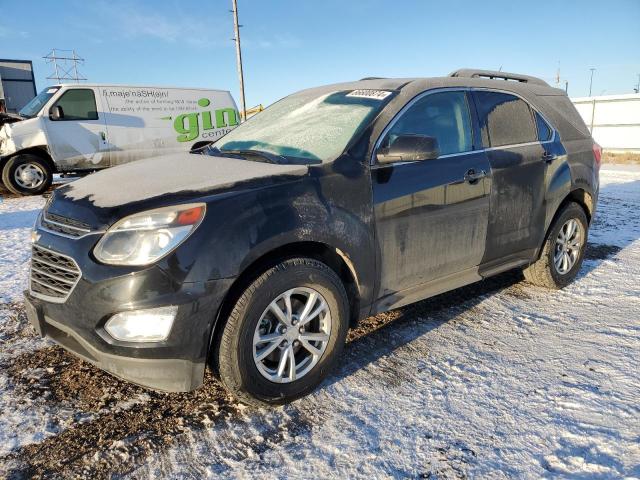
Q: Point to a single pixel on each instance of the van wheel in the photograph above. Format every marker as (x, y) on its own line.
(27, 175)
(284, 334)
(563, 251)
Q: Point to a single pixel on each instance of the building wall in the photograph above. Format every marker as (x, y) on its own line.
(614, 120)
(18, 83)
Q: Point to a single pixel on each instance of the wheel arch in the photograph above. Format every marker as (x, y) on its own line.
(577, 195)
(582, 198)
(334, 258)
(39, 151)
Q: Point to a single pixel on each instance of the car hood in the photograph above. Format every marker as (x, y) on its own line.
(161, 181)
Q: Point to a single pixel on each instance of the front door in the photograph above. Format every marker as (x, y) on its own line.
(78, 140)
(431, 216)
(518, 167)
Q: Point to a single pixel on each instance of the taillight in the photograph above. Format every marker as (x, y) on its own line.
(597, 154)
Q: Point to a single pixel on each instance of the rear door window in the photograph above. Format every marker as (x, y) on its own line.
(78, 104)
(443, 115)
(504, 119)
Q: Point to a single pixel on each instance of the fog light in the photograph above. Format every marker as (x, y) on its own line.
(151, 325)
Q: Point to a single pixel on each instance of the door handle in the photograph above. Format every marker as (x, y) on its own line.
(103, 136)
(472, 176)
(548, 157)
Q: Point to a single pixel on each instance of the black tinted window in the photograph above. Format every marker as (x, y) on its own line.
(78, 104)
(504, 119)
(544, 130)
(444, 116)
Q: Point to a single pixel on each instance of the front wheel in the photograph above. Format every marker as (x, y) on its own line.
(27, 175)
(563, 250)
(284, 334)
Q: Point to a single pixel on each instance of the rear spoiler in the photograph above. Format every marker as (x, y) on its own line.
(494, 75)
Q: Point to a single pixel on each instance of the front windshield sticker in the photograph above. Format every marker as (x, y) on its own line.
(364, 93)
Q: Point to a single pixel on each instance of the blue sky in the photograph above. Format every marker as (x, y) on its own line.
(289, 45)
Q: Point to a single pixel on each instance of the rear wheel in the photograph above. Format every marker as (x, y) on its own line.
(27, 175)
(284, 334)
(563, 250)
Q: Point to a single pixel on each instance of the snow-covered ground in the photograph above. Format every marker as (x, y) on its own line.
(496, 380)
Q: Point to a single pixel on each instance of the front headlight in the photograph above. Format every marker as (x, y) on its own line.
(146, 237)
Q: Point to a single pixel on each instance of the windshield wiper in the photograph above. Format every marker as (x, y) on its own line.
(268, 156)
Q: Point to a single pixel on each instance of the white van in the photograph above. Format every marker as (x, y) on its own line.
(74, 128)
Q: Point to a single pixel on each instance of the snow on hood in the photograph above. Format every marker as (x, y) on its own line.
(153, 177)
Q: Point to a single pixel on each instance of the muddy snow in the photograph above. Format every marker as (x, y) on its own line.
(499, 379)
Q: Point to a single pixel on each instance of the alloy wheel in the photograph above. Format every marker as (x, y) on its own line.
(568, 246)
(292, 335)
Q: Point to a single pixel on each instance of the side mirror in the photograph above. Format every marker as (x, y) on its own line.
(56, 113)
(409, 148)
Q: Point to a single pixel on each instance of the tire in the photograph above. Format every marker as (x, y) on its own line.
(234, 355)
(545, 272)
(37, 167)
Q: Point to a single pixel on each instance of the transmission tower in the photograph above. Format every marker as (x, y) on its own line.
(65, 65)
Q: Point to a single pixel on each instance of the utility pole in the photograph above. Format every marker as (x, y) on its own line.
(590, 82)
(637, 89)
(236, 29)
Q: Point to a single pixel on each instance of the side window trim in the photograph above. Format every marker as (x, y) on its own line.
(95, 103)
(417, 98)
(473, 112)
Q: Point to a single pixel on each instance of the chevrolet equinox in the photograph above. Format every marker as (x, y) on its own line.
(254, 255)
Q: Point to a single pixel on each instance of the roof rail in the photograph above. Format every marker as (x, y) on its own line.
(372, 78)
(494, 75)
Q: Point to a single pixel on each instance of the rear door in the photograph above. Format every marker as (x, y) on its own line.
(431, 216)
(78, 139)
(508, 130)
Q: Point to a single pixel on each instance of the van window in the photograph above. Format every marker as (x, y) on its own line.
(78, 104)
(444, 116)
(504, 119)
(544, 130)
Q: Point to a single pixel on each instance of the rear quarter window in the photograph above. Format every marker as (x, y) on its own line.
(504, 119)
(544, 130)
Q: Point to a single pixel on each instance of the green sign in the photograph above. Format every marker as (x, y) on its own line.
(189, 125)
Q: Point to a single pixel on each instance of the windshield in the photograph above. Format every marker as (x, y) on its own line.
(311, 126)
(32, 108)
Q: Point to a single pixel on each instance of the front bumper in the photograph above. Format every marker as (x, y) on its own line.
(169, 375)
(174, 365)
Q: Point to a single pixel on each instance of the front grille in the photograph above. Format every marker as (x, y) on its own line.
(65, 226)
(53, 276)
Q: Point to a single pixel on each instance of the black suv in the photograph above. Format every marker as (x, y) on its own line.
(333, 204)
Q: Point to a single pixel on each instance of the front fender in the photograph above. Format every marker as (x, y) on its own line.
(241, 228)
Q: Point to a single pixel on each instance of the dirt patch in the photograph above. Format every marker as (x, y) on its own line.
(118, 440)
(598, 251)
(627, 158)
(59, 376)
